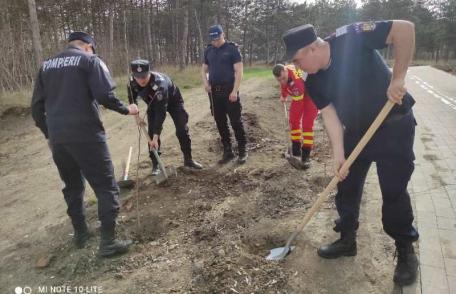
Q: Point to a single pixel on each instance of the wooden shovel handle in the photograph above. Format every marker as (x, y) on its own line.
(361, 144)
(127, 167)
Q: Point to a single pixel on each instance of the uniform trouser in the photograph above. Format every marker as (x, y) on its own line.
(180, 119)
(221, 109)
(392, 150)
(92, 161)
(302, 117)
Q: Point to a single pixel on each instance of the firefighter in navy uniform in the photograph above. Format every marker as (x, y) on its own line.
(65, 106)
(223, 62)
(350, 82)
(160, 94)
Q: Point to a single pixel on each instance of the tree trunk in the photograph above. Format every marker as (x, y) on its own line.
(36, 38)
(148, 31)
(200, 37)
(125, 37)
(111, 34)
(183, 53)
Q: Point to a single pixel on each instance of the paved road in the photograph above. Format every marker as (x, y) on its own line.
(433, 185)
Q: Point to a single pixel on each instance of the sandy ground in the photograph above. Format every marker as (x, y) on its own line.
(204, 232)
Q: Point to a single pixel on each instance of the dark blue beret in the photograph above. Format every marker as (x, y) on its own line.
(297, 38)
(84, 37)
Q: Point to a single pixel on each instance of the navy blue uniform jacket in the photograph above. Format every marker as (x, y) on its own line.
(67, 94)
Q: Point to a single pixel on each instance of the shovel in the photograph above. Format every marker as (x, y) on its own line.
(166, 172)
(295, 162)
(281, 252)
(127, 183)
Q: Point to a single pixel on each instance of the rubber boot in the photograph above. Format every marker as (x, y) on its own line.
(407, 264)
(81, 234)
(109, 245)
(227, 155)
(243, 155)
(189, 162)
(345, 246)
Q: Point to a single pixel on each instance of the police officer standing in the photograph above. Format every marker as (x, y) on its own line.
(349, 81)
(160, 94)
(65, 106)
(223, 62)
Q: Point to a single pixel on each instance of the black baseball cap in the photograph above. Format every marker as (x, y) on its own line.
(140, 68)
(297, 38)
(84, 37)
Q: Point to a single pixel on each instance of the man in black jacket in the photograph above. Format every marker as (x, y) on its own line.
(65, 106)
(161, 95)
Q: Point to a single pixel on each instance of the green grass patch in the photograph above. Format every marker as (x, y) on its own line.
(257, 72)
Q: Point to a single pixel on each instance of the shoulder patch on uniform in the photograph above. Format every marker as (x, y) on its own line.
(361, 27)
(341, 31)
(159, 96)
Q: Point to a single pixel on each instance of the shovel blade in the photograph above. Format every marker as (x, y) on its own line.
(279, 253)
(126, 184)
(170, 172)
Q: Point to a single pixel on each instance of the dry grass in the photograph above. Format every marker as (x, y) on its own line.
(185, 79)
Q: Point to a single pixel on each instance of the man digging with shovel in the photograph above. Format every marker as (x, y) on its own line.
(302, 111)
(349, 81)
(161, 95)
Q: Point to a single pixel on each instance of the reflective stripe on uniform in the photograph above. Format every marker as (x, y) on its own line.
(297, 98)
(295, 135)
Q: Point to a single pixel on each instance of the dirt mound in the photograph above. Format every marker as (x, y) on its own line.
(15, 111)
(205, 231)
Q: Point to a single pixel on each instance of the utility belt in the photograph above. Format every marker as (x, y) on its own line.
(222, 88)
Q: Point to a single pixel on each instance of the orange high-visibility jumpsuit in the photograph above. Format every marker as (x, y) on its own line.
(302, 110)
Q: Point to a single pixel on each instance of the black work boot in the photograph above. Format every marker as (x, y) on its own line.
(407, 264)
(305, 157)
(109, 245)
(189, 162)
(81, 234)
(155, 169)
(296, 149)
(227, 155)
(345, 246)
(242, 155)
